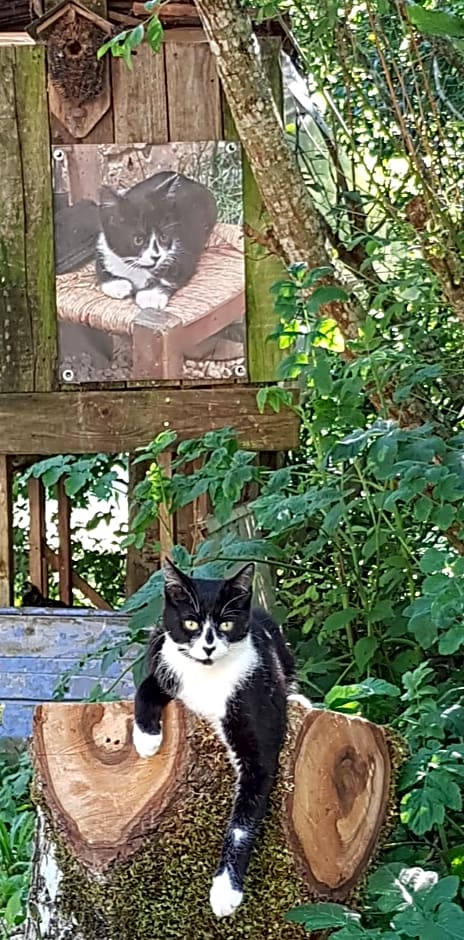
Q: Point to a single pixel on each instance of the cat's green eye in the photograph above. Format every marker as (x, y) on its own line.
(191, 625)
(226, 626)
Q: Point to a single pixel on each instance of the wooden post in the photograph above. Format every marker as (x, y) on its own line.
(165, 519)
(141, 562)
(6, 534)
(112, 824)
(89, 592)
(64, 544)
(38, 570)
(27, 277)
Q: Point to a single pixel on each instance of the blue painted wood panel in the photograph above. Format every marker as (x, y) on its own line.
(38, 647)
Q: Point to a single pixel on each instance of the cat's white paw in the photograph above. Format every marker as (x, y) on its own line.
(297, 697)
(153, 299)
(224, 899)
(118, 290)
(145, 744)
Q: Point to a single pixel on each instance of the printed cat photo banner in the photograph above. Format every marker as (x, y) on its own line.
(150, 276)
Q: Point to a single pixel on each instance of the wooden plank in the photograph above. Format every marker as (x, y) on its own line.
(102, 133)
(83, 173)
(36, 649)
(75, 422)
(193, 91)
(86, 589)
(166, 528)
(38, 572)
(64, 543)
(96, 6)
(27, 295)
(139, 98)
(140, 562)
(6, 534)
(262, 267)
(34, 137)
(16, 39)
(190, 520)
(170, 12)
(57, 633)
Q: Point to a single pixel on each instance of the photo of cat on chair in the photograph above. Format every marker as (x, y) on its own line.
(149, 261)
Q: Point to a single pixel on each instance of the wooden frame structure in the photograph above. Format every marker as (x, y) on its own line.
(175, 95)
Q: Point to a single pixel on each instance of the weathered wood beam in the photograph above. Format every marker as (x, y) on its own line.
(64, 544)
(27, 296)
(117, 421)
(86, 589)
(38, 573)
(6, 534)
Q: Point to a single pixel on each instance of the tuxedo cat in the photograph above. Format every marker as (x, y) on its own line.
(152, 237)
(229, 663)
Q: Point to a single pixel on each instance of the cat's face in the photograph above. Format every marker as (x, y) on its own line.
(131, 231)
(205, 618)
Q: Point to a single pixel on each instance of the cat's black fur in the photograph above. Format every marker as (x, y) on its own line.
(253, 722)
(152, 237)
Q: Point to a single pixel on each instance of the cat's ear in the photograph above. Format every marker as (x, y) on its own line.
(108, 199)
(178, 586)
(237, 590)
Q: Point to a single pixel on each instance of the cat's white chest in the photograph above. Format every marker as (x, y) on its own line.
(206, 690)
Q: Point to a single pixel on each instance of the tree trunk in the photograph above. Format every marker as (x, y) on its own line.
(126, 848)
(298, 227)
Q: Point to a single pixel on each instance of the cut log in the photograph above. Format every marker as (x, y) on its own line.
(126, 848)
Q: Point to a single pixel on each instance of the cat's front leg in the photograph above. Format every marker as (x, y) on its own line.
(253, 788)
(150, 700)
(154, 298)
(118, 288)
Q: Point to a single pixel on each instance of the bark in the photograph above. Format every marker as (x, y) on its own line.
(126, 848)
(296, 223)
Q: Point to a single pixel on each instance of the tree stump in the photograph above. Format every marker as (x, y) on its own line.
(126, 848)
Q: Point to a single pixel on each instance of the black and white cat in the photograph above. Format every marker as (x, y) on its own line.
(152, 237)
(229, 663)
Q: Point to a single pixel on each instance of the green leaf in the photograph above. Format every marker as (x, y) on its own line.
(396, 885)
(75, 482)
(435, 22)
(381, 611)
(423, 508)
(452, 640)
(135, 36)
(432, 560)
(421, 811)
(339, 619)
(322, 377)
(364, 651)
(339, 694)
(325, 295)
(320, 916)
(423, 629)
(13, 908)
(444, 516)
(155, 34)
(455, 859)
(274, 397)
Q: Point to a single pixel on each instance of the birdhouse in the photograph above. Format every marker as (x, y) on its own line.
(78, 82)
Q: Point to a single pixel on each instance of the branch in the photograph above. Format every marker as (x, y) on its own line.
(294, 219)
